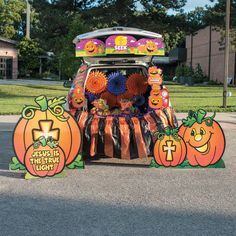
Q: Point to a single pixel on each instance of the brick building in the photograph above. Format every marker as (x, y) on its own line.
(206, 48)
(8, 59)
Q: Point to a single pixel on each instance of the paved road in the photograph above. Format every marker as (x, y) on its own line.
(30, 81)
(117, 198)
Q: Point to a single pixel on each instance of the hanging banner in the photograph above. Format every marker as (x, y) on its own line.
(89, 48)
(120, 44)
(148, 46)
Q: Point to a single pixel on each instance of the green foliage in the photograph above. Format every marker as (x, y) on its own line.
(29, 52)
(199, 76)
(69, 64)
(184, 71)
(11, 13)
(173, 40)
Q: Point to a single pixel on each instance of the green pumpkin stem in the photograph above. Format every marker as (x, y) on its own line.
(200, 116)
(42, 102)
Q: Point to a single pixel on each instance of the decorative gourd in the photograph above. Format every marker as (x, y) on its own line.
(204, 138)
(170, 148)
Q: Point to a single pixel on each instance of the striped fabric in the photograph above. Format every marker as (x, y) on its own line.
(122, 137)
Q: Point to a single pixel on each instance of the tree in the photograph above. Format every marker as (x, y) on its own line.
(29, 52)
(70, 64)
(216, 14)
(11, 13)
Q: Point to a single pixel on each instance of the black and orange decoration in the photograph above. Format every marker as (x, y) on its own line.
(46, 139)
(123, 137)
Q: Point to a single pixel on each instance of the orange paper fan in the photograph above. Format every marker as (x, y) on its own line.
(97, 82)
(110, 98)
(127, 95)
(137, 84)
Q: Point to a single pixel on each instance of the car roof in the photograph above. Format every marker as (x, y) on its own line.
(116, 30)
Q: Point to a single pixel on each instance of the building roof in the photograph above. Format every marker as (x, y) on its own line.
(7, 40)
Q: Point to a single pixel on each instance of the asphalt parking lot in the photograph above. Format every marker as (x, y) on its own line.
(113, 197)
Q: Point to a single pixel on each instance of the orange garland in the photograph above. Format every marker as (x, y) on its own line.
(137, 84)
(97, 82)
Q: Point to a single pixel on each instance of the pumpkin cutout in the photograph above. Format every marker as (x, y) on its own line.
(78, 97)
(47, 119)
(204, 138)
(151, 47)
(169, 149)
(90, 48)
(44, 161)
(155, 101)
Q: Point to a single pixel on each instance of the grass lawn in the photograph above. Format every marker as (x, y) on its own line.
(14, 97)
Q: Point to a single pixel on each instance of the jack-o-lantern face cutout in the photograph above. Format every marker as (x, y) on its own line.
(90, 47)
(153, 71)
(170, 148)
(151, 47)
(155, 102)
(204, 138)
(154, 76)
(78, 97)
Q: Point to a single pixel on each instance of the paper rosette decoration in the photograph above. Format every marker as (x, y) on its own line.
(110, 98)
(125, 95)
(116, 83)
(91, 97)
(139, 100)
(137, 84)
(97, 82)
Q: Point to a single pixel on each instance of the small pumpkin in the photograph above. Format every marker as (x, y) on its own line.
(169, 149)
(204, 138)
(48, 118)
(39, 162)
(155, 101)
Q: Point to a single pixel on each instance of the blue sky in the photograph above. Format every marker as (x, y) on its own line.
(192, 4)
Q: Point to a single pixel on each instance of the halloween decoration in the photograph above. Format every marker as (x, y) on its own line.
(91, 97)
(204, 138)
(46, 138)
(127, 106)
(78, 97)
(136, 84)
(100, 107)
(155, 78)
(155, 102)
(116, 83)
(44, 161)
(110, 99)
(28, 128)
(139, 100)
(170, 148)
(96, 82)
